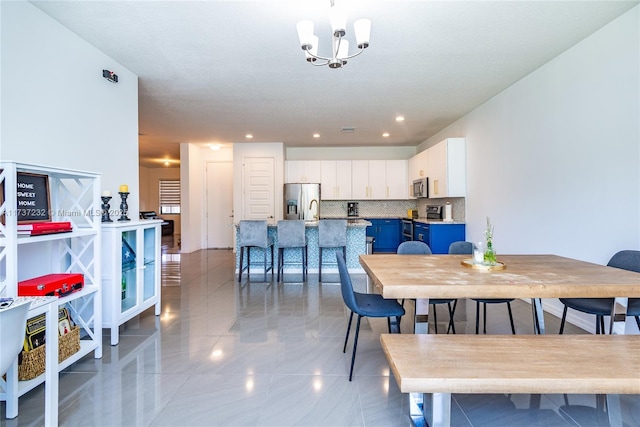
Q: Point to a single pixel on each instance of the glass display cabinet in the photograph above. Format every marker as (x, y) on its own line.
(131, 271)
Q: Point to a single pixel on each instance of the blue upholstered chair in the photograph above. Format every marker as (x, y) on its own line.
(332, 233)
(600, 307)
(364, 305)
(291, 235)
(254, 234)
(420, 248)
(465, 248)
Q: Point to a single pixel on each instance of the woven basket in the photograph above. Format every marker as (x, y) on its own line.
(32, 362)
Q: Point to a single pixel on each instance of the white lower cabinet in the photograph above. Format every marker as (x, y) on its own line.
(131, 271)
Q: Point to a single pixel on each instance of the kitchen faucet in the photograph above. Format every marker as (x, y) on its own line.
(311, 204)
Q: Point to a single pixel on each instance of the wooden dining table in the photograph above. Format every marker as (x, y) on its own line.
(521, 276)
(524, 276)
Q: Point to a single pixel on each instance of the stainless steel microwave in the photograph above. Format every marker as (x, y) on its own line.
(420, 187)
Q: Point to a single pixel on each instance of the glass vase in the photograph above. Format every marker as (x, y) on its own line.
(489, 254)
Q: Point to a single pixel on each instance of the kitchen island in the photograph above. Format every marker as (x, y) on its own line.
(356, 246)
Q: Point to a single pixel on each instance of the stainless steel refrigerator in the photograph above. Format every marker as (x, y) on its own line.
(302, 201)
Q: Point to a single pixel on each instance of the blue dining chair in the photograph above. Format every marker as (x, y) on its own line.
(466, 248)
(416, 247)
(600, 307)
(364, 305)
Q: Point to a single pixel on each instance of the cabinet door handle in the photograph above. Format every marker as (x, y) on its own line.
(387, 191)
(435, 186)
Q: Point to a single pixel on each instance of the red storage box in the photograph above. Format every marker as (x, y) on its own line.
(51, 285)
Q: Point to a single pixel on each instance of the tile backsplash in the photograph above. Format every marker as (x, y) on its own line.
(392, 208)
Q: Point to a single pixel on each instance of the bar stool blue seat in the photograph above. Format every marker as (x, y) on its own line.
(332, 233)
(291, 235)
(254, 234)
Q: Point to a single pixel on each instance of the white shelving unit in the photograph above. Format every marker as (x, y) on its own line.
(74, 197)
(131, 271)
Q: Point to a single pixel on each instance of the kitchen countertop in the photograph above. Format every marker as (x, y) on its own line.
(351, 222)
(436, 221)
(420, 220)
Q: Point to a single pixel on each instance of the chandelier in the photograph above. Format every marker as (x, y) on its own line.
(339, 45)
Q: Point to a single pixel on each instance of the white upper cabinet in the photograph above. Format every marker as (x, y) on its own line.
(335, 182)
(446, 169)
(418, 166)
(360, 179)
(397, 179)
(303, 171)
(379, 179)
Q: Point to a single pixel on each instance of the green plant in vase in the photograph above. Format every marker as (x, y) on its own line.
(489, 253)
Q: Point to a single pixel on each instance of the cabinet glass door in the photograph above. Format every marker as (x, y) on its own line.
(149, 276)
(129, 282)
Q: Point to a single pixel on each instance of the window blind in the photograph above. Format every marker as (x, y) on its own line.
(169, 196)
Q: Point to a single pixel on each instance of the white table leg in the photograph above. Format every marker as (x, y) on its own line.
(619, 316)
(614, 411)
(421, 316)
(51, 372)
(440, 410)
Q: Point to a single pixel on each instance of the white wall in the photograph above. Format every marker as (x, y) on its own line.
(554, 160)
(193, 160)
(58, 110)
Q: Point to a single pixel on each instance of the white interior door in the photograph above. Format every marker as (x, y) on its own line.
(258, 199)
(219, 205)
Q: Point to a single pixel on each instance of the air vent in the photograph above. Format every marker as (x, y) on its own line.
(348, 129)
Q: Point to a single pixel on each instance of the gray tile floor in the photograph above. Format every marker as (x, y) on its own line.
(268, 354)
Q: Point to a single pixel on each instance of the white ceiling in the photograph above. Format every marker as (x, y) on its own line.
(213, 71)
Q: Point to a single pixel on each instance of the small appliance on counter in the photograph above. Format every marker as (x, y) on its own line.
(352, 208)
(435, 212)
(412, 213)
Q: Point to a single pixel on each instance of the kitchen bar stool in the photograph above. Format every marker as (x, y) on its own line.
(291, 235)
(332, 233)
(254, 234)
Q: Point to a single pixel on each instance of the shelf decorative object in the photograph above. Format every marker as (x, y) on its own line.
(489, 252)
(124, 207)
(106, 197)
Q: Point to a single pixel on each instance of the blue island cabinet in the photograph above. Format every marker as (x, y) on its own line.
(387, 234)
(438, 236)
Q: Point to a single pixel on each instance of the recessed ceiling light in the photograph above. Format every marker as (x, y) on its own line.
(249, 136)
(167, 163)
(316, 135)
(400, 119)
(214, 147)
(386, 134)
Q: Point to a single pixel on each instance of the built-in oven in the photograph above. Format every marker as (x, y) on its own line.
(407, 229)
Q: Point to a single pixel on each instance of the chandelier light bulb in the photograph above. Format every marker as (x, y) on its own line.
(343, 51)
(339, 45)
(338, 19)
(305, 34)
(312, 52)
(362, 28)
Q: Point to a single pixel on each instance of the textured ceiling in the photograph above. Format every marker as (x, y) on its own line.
(213, 71)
